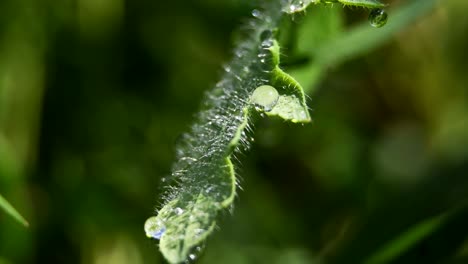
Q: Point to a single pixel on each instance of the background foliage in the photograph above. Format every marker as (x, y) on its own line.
(93, 95)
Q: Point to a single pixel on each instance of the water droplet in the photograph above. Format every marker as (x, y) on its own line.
(267, 44)
(190, 259)
(199, 248)
(256, 13)
(296, 7)
(266, 34)
(378, 18)
(302, 114)
(264, 98)
(240, 53)
(199, 231)
(154, 228)
(187, 160)
(178, 211)
(194, 254)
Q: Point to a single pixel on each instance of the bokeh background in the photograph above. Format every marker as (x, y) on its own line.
(94, 93)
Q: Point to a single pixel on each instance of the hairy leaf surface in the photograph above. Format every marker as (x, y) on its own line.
(203, 181)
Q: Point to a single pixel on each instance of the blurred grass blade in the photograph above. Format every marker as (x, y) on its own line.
(343, 46)
(408, 239)
(9, 209)
(321, 25)
(4, 261)
(364, 38)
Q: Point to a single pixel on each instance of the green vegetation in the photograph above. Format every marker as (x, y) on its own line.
(97, 98)
(9, 209)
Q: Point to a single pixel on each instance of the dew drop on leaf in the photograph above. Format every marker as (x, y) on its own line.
(378, 18)
(264, 98)
(178, 211)
(266, 34)
(154, 228)
(256, 13)
(194, 254)
(295, 6)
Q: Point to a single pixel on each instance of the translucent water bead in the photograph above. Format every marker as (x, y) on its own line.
(154, 228)
(265, 97)
(378, 18)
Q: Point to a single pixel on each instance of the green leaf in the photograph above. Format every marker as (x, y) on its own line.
(184, 222)
(203, 181)
(9, 209)
(291, 103)
(296, 6)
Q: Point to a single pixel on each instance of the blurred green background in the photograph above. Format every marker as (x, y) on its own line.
(94, 93)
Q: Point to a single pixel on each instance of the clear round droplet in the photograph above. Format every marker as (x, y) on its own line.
(266, 34)
(185, 162)
(378, 18)
(296, 6)
(256, 13)
(178, 211)
(264, 98)
(194, 254)
(190, 259)
(154, 228)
